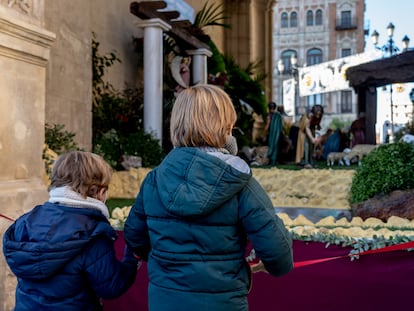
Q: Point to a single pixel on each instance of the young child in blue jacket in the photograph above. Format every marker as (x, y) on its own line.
(196, 211)
(62, 251)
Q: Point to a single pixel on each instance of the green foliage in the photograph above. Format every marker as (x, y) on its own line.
(242, 85)
(211, 15)
(215, 63)
(245, 86)
(107, 145)
(100, 63)
(111, 146)
(118, 117)
(120, 111)
(145, 146)
(337, 123)
(357, 245)
(58, 139)
(388, 168)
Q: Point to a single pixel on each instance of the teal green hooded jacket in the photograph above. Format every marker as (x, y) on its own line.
(192, 220)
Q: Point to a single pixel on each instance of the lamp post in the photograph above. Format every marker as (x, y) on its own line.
(390, 49)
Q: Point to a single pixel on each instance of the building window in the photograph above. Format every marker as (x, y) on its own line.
(293, 19)
(313, 100)
(286, 55)
(309, 18)
(346, 101)
(313, 57)
(345, 52)
(318, 17)
(346, 20)
(284, 22)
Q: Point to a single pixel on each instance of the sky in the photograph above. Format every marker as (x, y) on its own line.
(379, 13)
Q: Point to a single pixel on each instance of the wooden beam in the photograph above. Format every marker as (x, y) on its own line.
(169, 15)
(181, 24)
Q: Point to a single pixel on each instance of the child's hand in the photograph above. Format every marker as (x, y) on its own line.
(258, 267)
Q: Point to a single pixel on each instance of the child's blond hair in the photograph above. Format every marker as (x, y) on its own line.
(203, 115)
(84, 172)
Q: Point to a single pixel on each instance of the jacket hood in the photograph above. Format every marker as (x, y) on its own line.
(193, 183)
(44, 240)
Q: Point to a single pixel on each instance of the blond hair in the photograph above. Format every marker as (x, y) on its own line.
(203, 115)
(84, 172)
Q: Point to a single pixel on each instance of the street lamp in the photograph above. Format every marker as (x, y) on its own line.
(390, 48)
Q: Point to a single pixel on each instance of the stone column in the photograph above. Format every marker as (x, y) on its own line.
(24, 52)
(153, 74)
(199, 65)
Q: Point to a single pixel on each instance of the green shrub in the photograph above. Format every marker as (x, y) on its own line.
(388, 168)
(58, 139)
(112, 146)
(143, 145)
(117, 124)
(107, 145)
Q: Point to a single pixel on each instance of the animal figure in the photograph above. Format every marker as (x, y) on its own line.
(357, 153)
(335, 156)
(247, 153)
(260, 156)
(408, 138)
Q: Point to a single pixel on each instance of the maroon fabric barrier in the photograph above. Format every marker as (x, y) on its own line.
(374, 282)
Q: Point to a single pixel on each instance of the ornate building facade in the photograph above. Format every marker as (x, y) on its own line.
(316, 31)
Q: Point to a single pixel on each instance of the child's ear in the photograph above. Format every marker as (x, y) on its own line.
(101, 196)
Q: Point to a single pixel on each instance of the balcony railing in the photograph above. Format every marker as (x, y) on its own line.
(346, 23)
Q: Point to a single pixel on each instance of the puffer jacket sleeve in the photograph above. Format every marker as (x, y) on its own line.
(265, 230)
(135, 229)
(108, 276)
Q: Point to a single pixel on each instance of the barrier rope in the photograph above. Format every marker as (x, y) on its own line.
(6, 217)
(391, 248)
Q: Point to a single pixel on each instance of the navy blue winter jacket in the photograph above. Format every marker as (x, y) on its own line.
(191, 220)
(64, 259)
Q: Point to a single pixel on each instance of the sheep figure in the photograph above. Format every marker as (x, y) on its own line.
(358, 152)
(260, 156)
(334, 157)
(408, 138)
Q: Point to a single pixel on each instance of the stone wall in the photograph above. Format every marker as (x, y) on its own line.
(24, 52)
(69, 74)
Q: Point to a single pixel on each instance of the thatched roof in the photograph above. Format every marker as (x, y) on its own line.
(396, 69)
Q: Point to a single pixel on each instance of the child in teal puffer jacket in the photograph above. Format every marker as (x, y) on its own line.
(197, 210)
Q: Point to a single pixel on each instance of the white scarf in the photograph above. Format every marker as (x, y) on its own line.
(66, 196)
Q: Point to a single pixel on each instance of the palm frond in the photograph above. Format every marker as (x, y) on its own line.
(211, 15)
